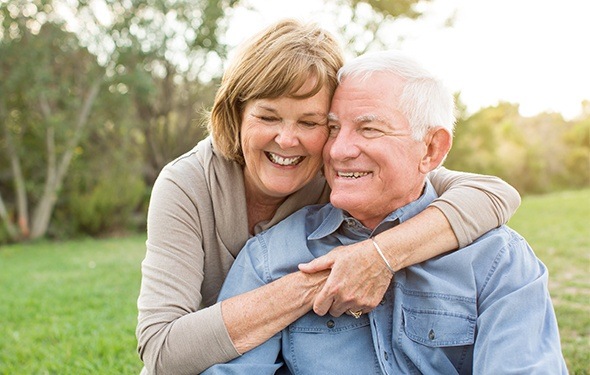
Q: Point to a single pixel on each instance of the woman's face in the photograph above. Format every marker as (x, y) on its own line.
(282, 141)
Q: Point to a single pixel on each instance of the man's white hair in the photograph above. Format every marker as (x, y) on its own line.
(425, 101)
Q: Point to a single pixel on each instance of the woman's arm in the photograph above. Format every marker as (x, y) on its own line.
(175, 334)
(469, 206)
(473, 203)
(255, 316)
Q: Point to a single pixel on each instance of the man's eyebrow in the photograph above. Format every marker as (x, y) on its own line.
(332, 117)
(369, 118)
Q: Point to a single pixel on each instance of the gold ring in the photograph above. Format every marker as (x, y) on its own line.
(356, 314)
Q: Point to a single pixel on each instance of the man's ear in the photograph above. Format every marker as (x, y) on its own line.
(438, 143)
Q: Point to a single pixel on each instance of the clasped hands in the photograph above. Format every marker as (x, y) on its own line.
(357, 281)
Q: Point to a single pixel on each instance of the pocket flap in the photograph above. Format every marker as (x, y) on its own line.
(437, 328)
(312, 323)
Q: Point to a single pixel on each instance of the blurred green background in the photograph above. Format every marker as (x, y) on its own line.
(96, 96)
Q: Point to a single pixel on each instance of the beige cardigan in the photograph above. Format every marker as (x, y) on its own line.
(197, 224)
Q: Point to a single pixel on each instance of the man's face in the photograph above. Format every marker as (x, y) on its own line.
(372, 163)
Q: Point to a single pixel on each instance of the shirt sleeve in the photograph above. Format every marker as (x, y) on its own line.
(175, 335)
(517, 330)
(248, 273)
(473, 203)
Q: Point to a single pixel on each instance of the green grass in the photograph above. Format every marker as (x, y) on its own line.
(557, 226)
(70, 307)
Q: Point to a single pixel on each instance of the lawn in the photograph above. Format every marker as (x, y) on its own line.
(69, 307)
(558, 228)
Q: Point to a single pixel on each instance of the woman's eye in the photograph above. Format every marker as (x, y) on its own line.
(309, 124)
(268, 118)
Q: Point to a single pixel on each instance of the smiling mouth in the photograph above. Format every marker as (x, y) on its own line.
(352, 175)
(276, 159)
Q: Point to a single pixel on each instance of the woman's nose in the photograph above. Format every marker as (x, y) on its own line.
(288, 136)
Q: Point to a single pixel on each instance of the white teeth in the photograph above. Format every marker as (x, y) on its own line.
(284, 161)
(352, 174)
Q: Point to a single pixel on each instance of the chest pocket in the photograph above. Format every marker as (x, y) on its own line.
(437, 341)
(438, 328)
(328, 345)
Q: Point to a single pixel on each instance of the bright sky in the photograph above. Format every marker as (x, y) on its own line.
(532, 52)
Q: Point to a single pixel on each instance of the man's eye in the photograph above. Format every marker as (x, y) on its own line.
(333, 129)
(369, 132)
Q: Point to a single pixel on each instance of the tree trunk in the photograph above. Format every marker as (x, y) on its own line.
(57, 172)
(22, 206)
(10, 228)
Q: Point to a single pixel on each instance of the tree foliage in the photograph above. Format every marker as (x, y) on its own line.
(161, 53)
(361, 21)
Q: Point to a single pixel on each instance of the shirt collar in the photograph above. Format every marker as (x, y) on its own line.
(336, 218)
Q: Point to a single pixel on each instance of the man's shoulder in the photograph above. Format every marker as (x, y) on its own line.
(502, 236)
(484, 254)
(501, 250)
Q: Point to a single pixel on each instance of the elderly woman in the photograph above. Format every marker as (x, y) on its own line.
(261, 163)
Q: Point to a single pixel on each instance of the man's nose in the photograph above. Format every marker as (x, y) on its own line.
(344, 145)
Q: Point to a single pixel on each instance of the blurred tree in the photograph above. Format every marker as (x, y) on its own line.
(361, 23)
(56, 56)
(105, 189)
(535, 154)
(165, 55)
(485, 139)
(48, 85)
(577, 142)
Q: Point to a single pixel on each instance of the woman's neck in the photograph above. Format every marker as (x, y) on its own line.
(260, 206)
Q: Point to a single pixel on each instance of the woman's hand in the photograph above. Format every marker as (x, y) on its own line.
(358, 279)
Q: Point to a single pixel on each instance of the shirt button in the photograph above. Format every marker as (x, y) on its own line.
(382, 301)
(431, 334)
(330, 323)
(386, 356)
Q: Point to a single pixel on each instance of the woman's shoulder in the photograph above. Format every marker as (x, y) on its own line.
(198, 165)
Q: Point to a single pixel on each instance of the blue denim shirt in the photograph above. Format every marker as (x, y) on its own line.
(484, 309)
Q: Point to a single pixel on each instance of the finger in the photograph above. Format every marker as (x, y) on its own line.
(342, 303)
(323, 302)
(337, 310)
(319, 264)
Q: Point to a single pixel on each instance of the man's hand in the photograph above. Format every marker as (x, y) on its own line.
(358, 279)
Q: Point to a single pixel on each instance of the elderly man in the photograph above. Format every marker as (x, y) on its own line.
(484, 309)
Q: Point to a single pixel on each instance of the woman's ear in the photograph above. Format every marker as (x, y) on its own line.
(438, 143)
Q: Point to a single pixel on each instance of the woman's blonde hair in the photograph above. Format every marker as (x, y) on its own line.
(275, 62)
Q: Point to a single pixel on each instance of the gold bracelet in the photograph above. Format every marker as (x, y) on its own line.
(382, 256)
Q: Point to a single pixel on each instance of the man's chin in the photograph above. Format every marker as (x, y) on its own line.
(345, 201)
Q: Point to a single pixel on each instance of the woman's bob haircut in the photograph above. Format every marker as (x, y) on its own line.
(275, 62)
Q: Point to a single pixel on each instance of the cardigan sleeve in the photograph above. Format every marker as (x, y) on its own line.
(175, 334)
(473, 203)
